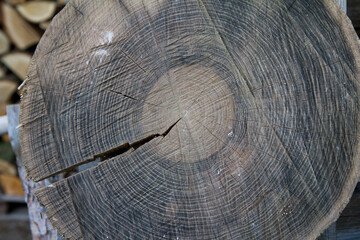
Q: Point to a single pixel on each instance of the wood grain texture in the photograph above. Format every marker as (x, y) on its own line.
(259, 101)
(41, 229)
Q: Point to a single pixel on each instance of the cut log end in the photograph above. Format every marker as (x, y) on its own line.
(21, 33)
(37, 11)
(18, 63)
(249, 136)
(4, 43)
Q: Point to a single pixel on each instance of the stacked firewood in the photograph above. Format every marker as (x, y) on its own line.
(22, 24)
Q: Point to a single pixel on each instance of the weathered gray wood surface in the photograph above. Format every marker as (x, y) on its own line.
(330, 233)
(283, 154)
(41, 228)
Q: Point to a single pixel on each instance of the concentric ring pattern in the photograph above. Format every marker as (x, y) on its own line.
(240, 117)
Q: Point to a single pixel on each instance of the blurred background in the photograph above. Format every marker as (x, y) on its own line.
(22, 23)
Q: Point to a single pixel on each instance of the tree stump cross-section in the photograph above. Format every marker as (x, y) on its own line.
(211, 119)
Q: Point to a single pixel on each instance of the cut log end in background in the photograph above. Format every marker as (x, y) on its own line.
(18, 63)
(37, 11)
(4, 43)
(7, 89)
(267, 141)
(22, 34)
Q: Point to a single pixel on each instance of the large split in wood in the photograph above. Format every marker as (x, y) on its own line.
(22, 34)
(259, 101)
(37, 11)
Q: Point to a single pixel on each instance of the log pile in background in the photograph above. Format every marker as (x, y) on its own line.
(22, 23)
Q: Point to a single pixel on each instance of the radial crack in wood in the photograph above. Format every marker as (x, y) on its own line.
(116, 151)
(244, 116)
(135, 145)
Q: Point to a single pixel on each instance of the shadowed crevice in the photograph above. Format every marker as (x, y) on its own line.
(104, 156)
(135, 145)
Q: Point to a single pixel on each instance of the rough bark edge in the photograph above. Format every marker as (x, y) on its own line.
(40, 226)
(40, 124)
(60, 209)
(354, 43)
